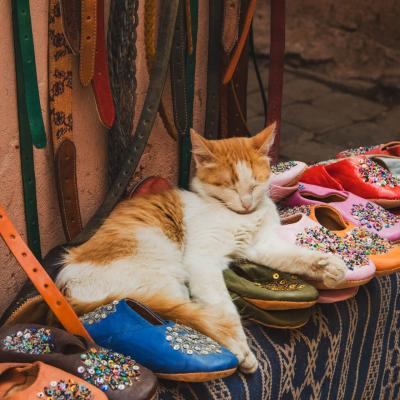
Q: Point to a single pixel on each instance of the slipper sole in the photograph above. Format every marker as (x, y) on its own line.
(343, 285)
(283, 326)
(385, 272)
(387, 203)
(280, 305)
(197, 376)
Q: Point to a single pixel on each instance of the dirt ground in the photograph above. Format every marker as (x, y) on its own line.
(342, 75)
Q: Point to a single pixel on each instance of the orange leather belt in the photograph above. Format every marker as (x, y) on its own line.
(88, 41)
(40, 279)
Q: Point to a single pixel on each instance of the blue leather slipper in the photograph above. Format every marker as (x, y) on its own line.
(170, 350)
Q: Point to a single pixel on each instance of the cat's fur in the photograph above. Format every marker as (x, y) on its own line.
(168, 250)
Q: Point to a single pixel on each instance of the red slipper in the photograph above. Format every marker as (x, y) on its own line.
(360, 176)
(387, 149)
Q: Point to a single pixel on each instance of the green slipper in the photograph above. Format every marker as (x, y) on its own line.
(289, 319)
(269, 289)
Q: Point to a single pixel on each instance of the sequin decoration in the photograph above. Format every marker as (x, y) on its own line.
(189, 341)
(282, 284)
(370, 243)
(108, 370)
(283, 166)
(30, 341)
(285, 212)
(372, 172)
(356, 151)
(321, 239)
(62, 390)
(99, 313)
(372, 216)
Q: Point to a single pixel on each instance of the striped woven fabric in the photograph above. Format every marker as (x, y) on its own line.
(349, 350)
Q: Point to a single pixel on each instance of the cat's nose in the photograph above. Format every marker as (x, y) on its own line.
(247, 201)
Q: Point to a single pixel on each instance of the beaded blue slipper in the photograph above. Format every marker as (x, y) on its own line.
(170, 350)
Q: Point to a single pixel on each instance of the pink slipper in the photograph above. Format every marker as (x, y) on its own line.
(284, 178)
(305, 232)
(336, 295)
(353, 208)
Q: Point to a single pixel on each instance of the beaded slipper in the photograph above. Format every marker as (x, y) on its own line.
(269, 289)
(120, 377)
(359, 175)
(316, 232)
(40, 381)
(387, 149)
(336, 295)
(392, 164)
(288, 319)
(284, 178)
(171, 350)
(353, 208)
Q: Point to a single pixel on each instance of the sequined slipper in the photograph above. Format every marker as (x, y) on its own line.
(392, 164)
(269, 289)
(316, 232)
(120, 377)
(336, 295)
(288, 319)
(284, 178)
(170, 350)
(40, 381)
(353, 208)
(359, 175)
(388, 149)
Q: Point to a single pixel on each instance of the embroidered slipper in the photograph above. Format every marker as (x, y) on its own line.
(269, 289)
(392, 164)
(126, 380)
(288, 319)
(387, 149)
(359, 175)
(336, 295)
(40, 381)
(353, 208)
(317, 234)
(170, 350)
(284, 178)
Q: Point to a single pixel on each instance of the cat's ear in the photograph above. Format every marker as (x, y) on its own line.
(201, 149)
(264, 140)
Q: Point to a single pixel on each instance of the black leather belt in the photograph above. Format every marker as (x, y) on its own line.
(31, 127)
(137, 143)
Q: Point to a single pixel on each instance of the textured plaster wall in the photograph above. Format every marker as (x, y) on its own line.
(89, 137)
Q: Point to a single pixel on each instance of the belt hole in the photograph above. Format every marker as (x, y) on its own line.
(58, 302)
(46, 285)
(12, 237)
(88, 37)
(26, 37)
(1, 216)
(24, 255)
(88, 17)
(34, 269)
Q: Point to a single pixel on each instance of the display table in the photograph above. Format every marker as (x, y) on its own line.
(349, 350)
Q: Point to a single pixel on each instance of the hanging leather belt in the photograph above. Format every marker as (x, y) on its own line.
(60, 101)
(138, 142)
(31, 127)
(39, 277)
(213, 69)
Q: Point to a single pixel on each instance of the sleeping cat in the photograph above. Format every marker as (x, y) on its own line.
(168, 250)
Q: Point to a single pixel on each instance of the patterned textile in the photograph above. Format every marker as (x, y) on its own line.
(349, 350)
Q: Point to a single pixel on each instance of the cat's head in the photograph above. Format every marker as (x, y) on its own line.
(235, 171)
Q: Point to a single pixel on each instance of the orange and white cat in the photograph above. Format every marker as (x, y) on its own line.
(168, 250)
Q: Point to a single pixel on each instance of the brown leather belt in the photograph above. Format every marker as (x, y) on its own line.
(40, 279)
(60, 101)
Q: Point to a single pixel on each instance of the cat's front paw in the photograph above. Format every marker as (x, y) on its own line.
(247, 360)
(249, 364)
(330, 269)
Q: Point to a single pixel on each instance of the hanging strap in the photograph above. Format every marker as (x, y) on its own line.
(88, 35)
(101, 79)
(230, 24)
(71, 18)
(40, 279)
(213, 69)
(137, 143)
(275, 84)
(60, 101)
(31, 129)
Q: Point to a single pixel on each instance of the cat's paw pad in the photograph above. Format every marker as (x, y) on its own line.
(330, 269)
(249, 364)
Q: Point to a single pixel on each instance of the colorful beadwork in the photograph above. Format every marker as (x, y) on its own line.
(283, 166)
(356, 151)
(370, 243)
(281, 284)
(62, 390)
(372, 172)
(30, 341)
(99, 313)
(372, 216)
(189, 341)
(108, 370)
(285, 212)
(321, 239)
